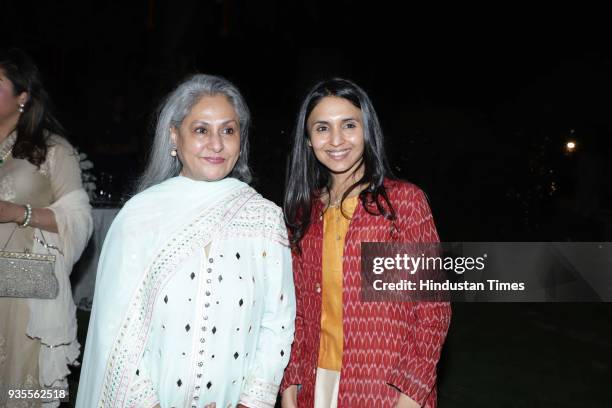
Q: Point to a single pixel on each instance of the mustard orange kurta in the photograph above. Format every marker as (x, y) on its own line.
(335, 226)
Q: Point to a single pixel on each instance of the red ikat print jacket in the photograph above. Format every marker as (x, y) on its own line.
(388, 346)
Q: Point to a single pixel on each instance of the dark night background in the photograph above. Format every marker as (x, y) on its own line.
(476, 111)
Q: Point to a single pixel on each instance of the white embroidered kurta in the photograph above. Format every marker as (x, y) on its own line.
(175, 325)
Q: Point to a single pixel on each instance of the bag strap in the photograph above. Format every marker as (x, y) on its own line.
(42, 242)
(9, 238)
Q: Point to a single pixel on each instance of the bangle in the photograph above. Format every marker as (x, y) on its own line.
(27, 216)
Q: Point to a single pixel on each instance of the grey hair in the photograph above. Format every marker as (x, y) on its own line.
(173, 110)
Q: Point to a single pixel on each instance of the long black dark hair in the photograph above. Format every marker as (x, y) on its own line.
(36, 122)
(307, 178)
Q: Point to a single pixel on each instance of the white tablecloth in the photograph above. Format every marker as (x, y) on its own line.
(83, 276)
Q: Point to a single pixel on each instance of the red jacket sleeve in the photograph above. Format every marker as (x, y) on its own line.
(415, 372)
(292, 372)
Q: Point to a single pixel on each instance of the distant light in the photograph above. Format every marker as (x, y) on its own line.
(570, 146)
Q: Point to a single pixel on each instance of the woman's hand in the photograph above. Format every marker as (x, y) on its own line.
(289, 397)
(42, 218)
(406, 402)
(10, 212)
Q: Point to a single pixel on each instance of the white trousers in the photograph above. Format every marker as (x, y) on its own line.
(326, 388)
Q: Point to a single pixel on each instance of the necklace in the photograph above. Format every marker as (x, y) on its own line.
(336, 203)
(5, 156)
(7, 144)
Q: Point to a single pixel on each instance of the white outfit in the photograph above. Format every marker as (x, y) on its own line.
(176, 326)
(327, 384)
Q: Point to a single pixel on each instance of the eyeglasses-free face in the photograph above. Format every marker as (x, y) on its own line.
(335, 129)
(208, 140)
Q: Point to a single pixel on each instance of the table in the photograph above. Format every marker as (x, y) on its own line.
(83, 277)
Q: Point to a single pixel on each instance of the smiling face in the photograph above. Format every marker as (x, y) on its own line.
(208, 140)
(335, 128)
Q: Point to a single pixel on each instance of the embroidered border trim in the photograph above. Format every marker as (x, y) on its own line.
(258, 393)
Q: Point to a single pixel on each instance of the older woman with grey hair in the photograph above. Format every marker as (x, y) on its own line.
(194, 303)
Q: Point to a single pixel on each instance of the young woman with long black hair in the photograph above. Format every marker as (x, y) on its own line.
(341, 192)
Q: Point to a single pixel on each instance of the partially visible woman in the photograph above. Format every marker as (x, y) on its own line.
(40, 190)
(194, 303)
(340, 193)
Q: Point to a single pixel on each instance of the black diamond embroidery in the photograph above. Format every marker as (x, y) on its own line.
(237, 255)
(282, 353)
(187, 328)
(214, 330)
(208, 385)
(179, 382)
(241, 302)
(166, 299)
(236, 355)
(192, 275)
(137, 372)
(220, 278)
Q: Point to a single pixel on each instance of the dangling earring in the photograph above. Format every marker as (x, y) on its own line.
(173, 152)
(21, 106)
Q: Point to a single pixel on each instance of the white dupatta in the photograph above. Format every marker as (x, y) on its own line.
(135, 262)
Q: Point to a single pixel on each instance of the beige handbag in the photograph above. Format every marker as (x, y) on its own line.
(27, 275)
